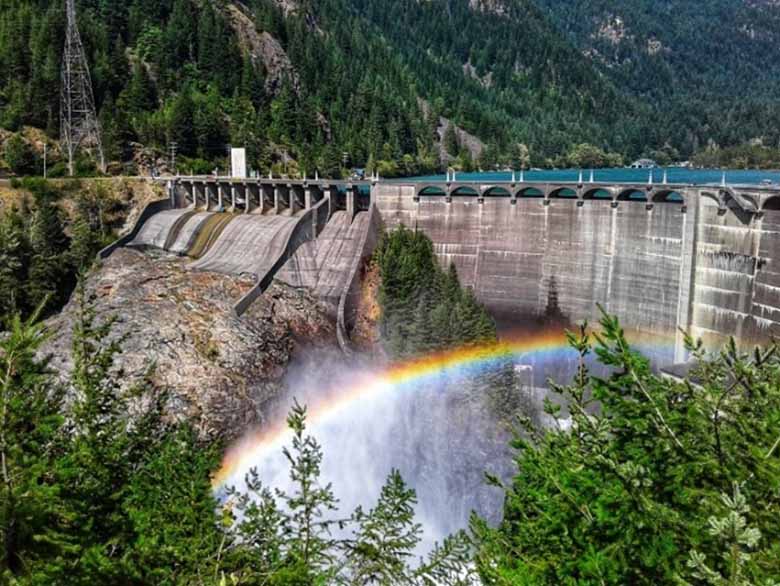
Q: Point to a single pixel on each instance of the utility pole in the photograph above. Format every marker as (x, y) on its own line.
(79, 125)
(172, 148)
(44, 159)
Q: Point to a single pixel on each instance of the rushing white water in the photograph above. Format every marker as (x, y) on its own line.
(442, 436)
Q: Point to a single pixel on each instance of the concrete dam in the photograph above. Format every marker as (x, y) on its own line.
(662, 257)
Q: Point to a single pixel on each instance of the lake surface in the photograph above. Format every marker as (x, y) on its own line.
(674, 175)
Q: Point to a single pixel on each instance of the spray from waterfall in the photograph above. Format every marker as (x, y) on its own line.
(426, 417)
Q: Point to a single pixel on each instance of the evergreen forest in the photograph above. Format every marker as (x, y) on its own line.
(329, 86)
(667, 482)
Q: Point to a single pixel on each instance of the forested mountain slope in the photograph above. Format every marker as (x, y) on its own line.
(333, 84)
(711, 68)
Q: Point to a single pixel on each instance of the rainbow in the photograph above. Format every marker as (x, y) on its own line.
(468, 361)
(471, 360)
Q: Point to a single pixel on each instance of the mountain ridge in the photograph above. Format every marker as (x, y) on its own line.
(331, 85)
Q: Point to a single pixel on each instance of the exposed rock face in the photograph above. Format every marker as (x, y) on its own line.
(470, 142)
(613, 30)
(221, 370)
(263, 49)
(485, 80)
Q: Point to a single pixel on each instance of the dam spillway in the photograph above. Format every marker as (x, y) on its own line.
(181, 241)
(246, 244)
(155, 232)
(323, 265)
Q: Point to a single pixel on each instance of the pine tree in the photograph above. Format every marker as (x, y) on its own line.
(30, 440)
(84, 245)
(385, 538)
(293, 542)
(140, 95)
(310, 505)
(48, 243)
(95, 471)
(180, 122)
(451, 143)
(12, 265)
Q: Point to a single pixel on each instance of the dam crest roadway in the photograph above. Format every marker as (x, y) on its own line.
(662, 256)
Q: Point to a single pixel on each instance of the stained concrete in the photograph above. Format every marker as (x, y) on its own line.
(712, 270)
(247, 245)
(155, 230)
(737, 283)
(323, 265)
(188, 233)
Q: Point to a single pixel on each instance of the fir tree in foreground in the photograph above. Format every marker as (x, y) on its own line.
(643, 480)
(298, 537)
(647, 480)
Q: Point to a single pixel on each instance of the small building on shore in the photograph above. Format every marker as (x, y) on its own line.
(644, 164)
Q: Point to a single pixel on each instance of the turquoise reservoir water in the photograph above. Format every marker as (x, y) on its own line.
(674, 175)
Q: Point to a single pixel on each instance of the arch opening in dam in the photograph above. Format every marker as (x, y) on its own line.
(632, 195)
(496, 192)
(669, 196)
(772, 204)
(597, 193)
(530, 192)
(464, 191)
(432, 190)
(563, 193)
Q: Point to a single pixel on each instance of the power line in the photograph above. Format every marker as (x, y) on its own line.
(79, 125)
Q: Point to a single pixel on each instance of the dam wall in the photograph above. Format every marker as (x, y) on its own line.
(662, 257)
(688, 264)
(305, 227)
(737, 278)
(370, 232)
(148, 212)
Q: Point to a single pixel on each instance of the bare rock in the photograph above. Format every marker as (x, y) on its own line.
(220, 370)
(262, 48)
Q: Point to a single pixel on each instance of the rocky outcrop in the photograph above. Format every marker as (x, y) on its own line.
(221, 370)
(263, 49)
(465, 139)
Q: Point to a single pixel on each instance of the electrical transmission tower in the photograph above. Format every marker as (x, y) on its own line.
(79, 124)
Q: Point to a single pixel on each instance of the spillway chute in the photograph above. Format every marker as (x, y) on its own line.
(157, 229)
(247, 245)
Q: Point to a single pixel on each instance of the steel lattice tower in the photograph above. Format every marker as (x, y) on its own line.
(79, 125)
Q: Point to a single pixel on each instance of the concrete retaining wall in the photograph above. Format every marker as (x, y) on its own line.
(737, 279)
(305, 228)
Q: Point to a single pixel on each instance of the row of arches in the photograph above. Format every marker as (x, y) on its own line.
(633, 194)
(657, 196)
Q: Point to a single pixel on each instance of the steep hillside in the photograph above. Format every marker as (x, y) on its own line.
(335, 84)
(500, 70)
(711, 69)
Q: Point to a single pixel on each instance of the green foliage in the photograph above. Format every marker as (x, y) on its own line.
(737, 539)
(19, 155)
(103, 498)
(680, 60)
(30, 423)
(374, 80)
(627, 488)
(423, 307)
(289, 538)
(746, 156)
(41, 251)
